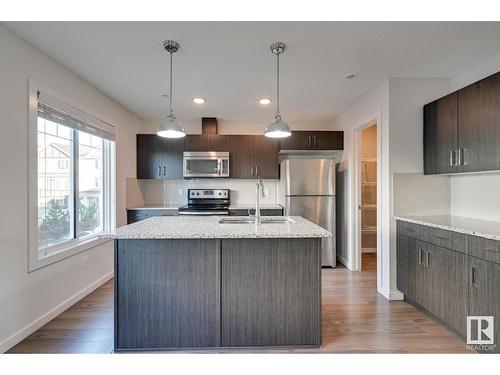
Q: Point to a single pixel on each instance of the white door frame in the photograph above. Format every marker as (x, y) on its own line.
(355, 192)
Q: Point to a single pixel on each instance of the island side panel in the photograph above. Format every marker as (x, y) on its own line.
(167, 294)
(271, 292)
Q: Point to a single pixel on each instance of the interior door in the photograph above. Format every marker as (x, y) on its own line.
(321, 211)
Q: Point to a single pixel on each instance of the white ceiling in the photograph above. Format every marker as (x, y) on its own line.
(230, 64)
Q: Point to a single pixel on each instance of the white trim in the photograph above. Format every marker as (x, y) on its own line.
(69, 248)
(20, 335)
(354, 230)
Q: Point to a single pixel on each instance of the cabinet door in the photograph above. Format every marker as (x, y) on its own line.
(328, 140)
(271, 292)
(406, 266)
(171, 158)
(241, 156)
(446, 273)
(266, 156)
(479, 125)
(484, 295)
(203, 142)
(440, 136)
(299, 140)
(149, 156)
(167, 294)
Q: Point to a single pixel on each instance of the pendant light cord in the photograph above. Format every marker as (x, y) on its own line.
(170, 97)
(278, 85)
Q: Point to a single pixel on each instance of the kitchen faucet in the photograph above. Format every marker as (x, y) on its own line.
(259, 191)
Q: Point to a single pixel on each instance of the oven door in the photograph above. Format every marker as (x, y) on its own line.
(205, 164)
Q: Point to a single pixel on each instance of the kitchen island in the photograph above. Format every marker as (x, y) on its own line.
(193, 282)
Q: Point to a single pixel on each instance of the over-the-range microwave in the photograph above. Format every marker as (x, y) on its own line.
(206, 164)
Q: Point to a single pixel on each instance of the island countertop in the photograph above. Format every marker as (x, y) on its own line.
(194, 227)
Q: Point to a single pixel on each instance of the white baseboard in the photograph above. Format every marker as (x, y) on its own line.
(392, 296)
(44, 319)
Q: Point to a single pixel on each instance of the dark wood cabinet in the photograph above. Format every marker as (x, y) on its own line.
(253, 156)
(167, 294)
(313, 140)
(484, 295)
(134, 215)
(206, 142)
(432, 276)
(159, 158)
(479, 125)
(440, 136)
(262, 302)
(462, 130)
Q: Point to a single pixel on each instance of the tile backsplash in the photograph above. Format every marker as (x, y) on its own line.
(174, 192)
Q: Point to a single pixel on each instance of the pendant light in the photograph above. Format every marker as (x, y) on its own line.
(278, 128)
(170, 127)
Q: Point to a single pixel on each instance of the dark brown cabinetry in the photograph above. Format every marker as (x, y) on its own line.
(484, 295)
(159, 158)
(313, 140)
(262, 303)
(448, 280)
(203, 142)
(134, 215)
(462, 130)
(253, 156)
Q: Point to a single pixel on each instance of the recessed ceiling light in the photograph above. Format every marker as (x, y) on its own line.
(351, 75)
(199, 100)
(265, 101)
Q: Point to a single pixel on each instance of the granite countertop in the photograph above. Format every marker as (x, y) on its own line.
(474, 227)
(193, 227)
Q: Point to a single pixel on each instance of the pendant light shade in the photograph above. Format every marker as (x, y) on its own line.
(278, 128)
(170, 127)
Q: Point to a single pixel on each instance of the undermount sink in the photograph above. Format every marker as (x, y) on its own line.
(251, 220)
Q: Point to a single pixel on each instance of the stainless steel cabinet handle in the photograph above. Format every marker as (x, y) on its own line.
(251, 170)
(164, 170)
(309, 140)
(463, 156)
(315, 142)
(472, 271)
(460, 158)
(420, 256)
(453, 158)
(159, 170)
(427, 261)
(257, 170)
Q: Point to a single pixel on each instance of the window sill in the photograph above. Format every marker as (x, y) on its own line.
(63, 251)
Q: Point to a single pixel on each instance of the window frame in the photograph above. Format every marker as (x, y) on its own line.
(76, 245)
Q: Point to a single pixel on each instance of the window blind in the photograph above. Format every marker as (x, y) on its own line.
(52, 109)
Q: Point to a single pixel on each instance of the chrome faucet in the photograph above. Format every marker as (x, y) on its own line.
(259, 191)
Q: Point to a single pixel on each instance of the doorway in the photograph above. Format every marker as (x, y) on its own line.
(368, 197)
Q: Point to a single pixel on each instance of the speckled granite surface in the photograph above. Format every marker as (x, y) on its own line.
(474, 227)
(193, 227)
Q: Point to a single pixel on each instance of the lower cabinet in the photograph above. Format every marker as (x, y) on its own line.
(263, 303)
(138, 215)
(484, 292)
(435, 278)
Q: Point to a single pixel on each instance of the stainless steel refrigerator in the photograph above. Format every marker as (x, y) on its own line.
(307, 189)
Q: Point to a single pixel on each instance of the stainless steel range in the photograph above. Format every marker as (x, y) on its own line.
(206, 202)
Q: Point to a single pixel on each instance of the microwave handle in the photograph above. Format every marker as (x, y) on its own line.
(219, 166)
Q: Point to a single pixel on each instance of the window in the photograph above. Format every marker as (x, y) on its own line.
(74, 177)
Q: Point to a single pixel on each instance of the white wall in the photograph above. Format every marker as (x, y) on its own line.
(476, 195)
(397, 104)
(28, 300)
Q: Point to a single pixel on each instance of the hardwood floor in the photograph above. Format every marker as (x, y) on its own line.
(356, 319)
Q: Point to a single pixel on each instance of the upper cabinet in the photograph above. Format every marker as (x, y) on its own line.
(203, 142)
(313, 140)
(159, 158)
(253, 156)
(462, 130)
